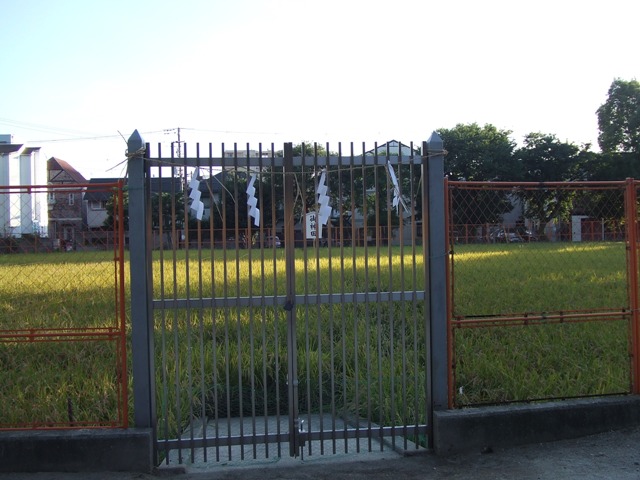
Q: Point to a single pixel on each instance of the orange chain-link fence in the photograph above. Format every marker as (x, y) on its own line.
(62, 311)
(542, 290)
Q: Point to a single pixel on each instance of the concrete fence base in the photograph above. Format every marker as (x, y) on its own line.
(77, 451)
(457, 431)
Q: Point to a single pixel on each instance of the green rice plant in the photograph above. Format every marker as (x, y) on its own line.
(59, 384)
(538, 277)
(496, 364)
(51, 380)
(364, 360)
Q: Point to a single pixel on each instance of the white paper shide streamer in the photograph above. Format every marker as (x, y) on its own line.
(397, 195)
(323, 200)
(252, 201)
(196, 204)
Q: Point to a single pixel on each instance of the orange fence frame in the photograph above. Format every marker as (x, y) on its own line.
(117, 333)
(632, 237)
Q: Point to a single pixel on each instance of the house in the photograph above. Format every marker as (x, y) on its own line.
(96, 200)
(65, 205)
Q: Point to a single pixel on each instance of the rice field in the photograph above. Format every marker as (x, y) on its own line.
(361, 358)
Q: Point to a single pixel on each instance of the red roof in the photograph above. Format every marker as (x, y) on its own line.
(57, 164)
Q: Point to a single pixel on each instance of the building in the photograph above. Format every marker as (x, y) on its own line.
(65, 205)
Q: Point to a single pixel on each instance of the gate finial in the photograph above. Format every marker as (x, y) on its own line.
(135, 144)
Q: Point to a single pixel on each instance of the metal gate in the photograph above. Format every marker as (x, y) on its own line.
(288, 300)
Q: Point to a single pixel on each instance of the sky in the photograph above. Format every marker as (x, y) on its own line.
(80, 76)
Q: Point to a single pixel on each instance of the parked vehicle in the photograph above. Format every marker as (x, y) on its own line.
(269, 241)
(512, 235)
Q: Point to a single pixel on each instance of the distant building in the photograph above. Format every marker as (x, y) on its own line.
(65, 205)
(95, 203)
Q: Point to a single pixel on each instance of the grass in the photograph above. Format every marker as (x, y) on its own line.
(366, 360)
(505, 364)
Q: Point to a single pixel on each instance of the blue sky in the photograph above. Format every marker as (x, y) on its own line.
(292, 70)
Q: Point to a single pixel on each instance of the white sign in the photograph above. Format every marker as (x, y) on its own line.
(312, 226)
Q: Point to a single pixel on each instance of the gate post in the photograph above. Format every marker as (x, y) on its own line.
(141, 285)
(434, 251)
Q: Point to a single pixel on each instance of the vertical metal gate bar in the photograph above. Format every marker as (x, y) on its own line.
(238, 313)
(392, 379)
(263, 337)
(175, 323)
(290, 299)
(330, 319)
(306, 288)
(319, 347)
(427, 287)
(187, 269)
(276, 313)
(226, 295)
(365, 215)
(378, 290)
(164, 407)
(341, 301)
(202, 413)
(414, 300)
(306, 209)
(355, 316)
(403, 313)
(252, 382)
(214, 311)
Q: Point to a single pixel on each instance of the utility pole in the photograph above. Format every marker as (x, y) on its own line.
(179, 142)
(178, 150)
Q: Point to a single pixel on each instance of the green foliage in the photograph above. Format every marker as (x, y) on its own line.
(166, 208)
(619, 118)
(477, 153)
(543, 158)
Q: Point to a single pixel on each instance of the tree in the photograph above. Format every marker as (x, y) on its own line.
(475, 153)
(544, 158)
(167, 201)
(619, 118)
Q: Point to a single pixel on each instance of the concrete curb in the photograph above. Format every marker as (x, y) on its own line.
(458, 431)
(84, 450)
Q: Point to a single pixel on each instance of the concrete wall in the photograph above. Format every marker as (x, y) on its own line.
(76, 451)
(471, 429)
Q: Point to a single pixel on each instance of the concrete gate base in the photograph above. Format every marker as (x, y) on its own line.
(458, 431)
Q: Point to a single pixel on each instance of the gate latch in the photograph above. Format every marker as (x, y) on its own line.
(301, 437)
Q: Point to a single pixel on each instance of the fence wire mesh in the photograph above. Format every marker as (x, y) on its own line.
(62, 326)
(540, 305)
